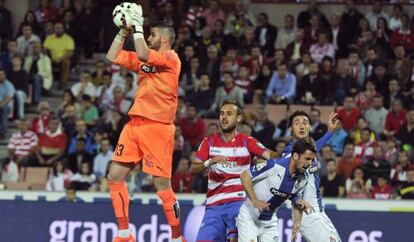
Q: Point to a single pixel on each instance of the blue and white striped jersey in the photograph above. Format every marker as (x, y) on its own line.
(272, 182)
(311, 193)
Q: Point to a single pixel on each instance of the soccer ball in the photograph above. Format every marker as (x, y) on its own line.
(131, 8)
(121, 18)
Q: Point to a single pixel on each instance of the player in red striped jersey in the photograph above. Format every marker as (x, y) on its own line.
(226, 155)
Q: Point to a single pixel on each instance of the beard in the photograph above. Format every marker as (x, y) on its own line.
(156, 45)
(229, 129)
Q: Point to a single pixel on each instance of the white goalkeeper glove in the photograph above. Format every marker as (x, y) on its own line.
(135, 11)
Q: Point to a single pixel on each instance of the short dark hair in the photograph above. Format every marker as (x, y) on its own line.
(168, 28)
(304, 144)
(330, 160)
(86, 97)
(233, 102)
(316, 110)
(366, 129)
(227, 72)
(296, 114)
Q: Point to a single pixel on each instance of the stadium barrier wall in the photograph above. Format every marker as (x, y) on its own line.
(45, 216)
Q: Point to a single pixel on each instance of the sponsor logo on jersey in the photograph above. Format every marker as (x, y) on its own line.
(278, 193)
(148, 69)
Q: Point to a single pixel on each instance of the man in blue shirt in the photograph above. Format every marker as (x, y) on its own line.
(270, 184)
(282, 86)
(7, 92)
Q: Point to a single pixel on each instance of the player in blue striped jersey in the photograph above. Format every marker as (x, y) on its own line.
(315, 227)
(268, 185)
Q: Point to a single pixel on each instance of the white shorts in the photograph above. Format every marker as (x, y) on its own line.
(317, 227)
(250, 229)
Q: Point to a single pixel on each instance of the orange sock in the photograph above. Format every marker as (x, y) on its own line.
(171, 210)
(120, 202)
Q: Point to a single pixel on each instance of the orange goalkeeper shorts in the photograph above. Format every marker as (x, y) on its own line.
(148, 141)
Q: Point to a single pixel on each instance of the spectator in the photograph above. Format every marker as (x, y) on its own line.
(245, 82)
(383, 190)
(380, 77)
(343, 84)
(261, 82)
(364, 99)
(26, 41)
(228, 91)
(118, 103)
(348, 162)
(396, 117)
(247, 41)
(401, 67)
(22, 144)
(69, 119)
(376, 115)
(338, 139)
(5, 23)
(391, 152)
(406, 132)
(298, 47)
(40, 123)
(377, 166)
(104, 90)
(79, 156)
(302, 68)
(375, 14)
(332, 185)
(314, 29)
(255, 61)
(326, 154)
(309, 91)
(178, 148)
(203, 97)
(266, 34)
(241, 9)
(52, 143)
(282, 86)
(120, 78)
(341, 36)
(102, 159)
(219, 36)
(358, 186)
(193, 128)
(30, 19)
(349, 114)
(351, 17)
(232, 61)
(322, 48)
(394, 92)
(84, 86)
(263, 128)
(9, 171)
(130, 87)
(356, 67)
(383, 36)
(399, 171)
(395, 20)
(371, 59)
(6, 56)
(88, 111)
(20, 80)
(213, 13)
(278, 58)
(280, 146)
(80, 131)
(304, 17)
(61, 47)
(407, 190)
(318, 127)
(183, 180)
(365, 149)
(212, 65)
(39, 68)
(403, 35)
(7, 93)
(114, 125)
(84, 179)
(287, 34)
(59, 177)
(365, 41)
(190, 79)
(356, 134)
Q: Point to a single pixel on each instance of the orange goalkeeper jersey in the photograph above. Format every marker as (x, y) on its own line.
(157, 95)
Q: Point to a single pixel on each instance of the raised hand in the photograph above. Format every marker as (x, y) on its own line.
(333, 122)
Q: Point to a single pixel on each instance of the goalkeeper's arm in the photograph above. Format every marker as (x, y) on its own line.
(141, 47)
(117, 44)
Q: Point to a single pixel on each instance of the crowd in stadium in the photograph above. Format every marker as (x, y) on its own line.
(358, 62)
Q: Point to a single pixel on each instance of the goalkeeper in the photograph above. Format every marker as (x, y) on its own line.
(149, 135)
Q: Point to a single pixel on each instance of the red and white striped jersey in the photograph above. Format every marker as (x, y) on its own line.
(224, 184)
(23, 143)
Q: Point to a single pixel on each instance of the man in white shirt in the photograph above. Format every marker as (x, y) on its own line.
(25, 42)
(287, 34)
(84, 86)
(100, 163)
(322, 48)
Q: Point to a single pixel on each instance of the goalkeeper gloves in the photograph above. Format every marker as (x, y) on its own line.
(137, 21)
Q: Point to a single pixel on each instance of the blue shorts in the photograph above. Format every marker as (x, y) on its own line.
(219, 222)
